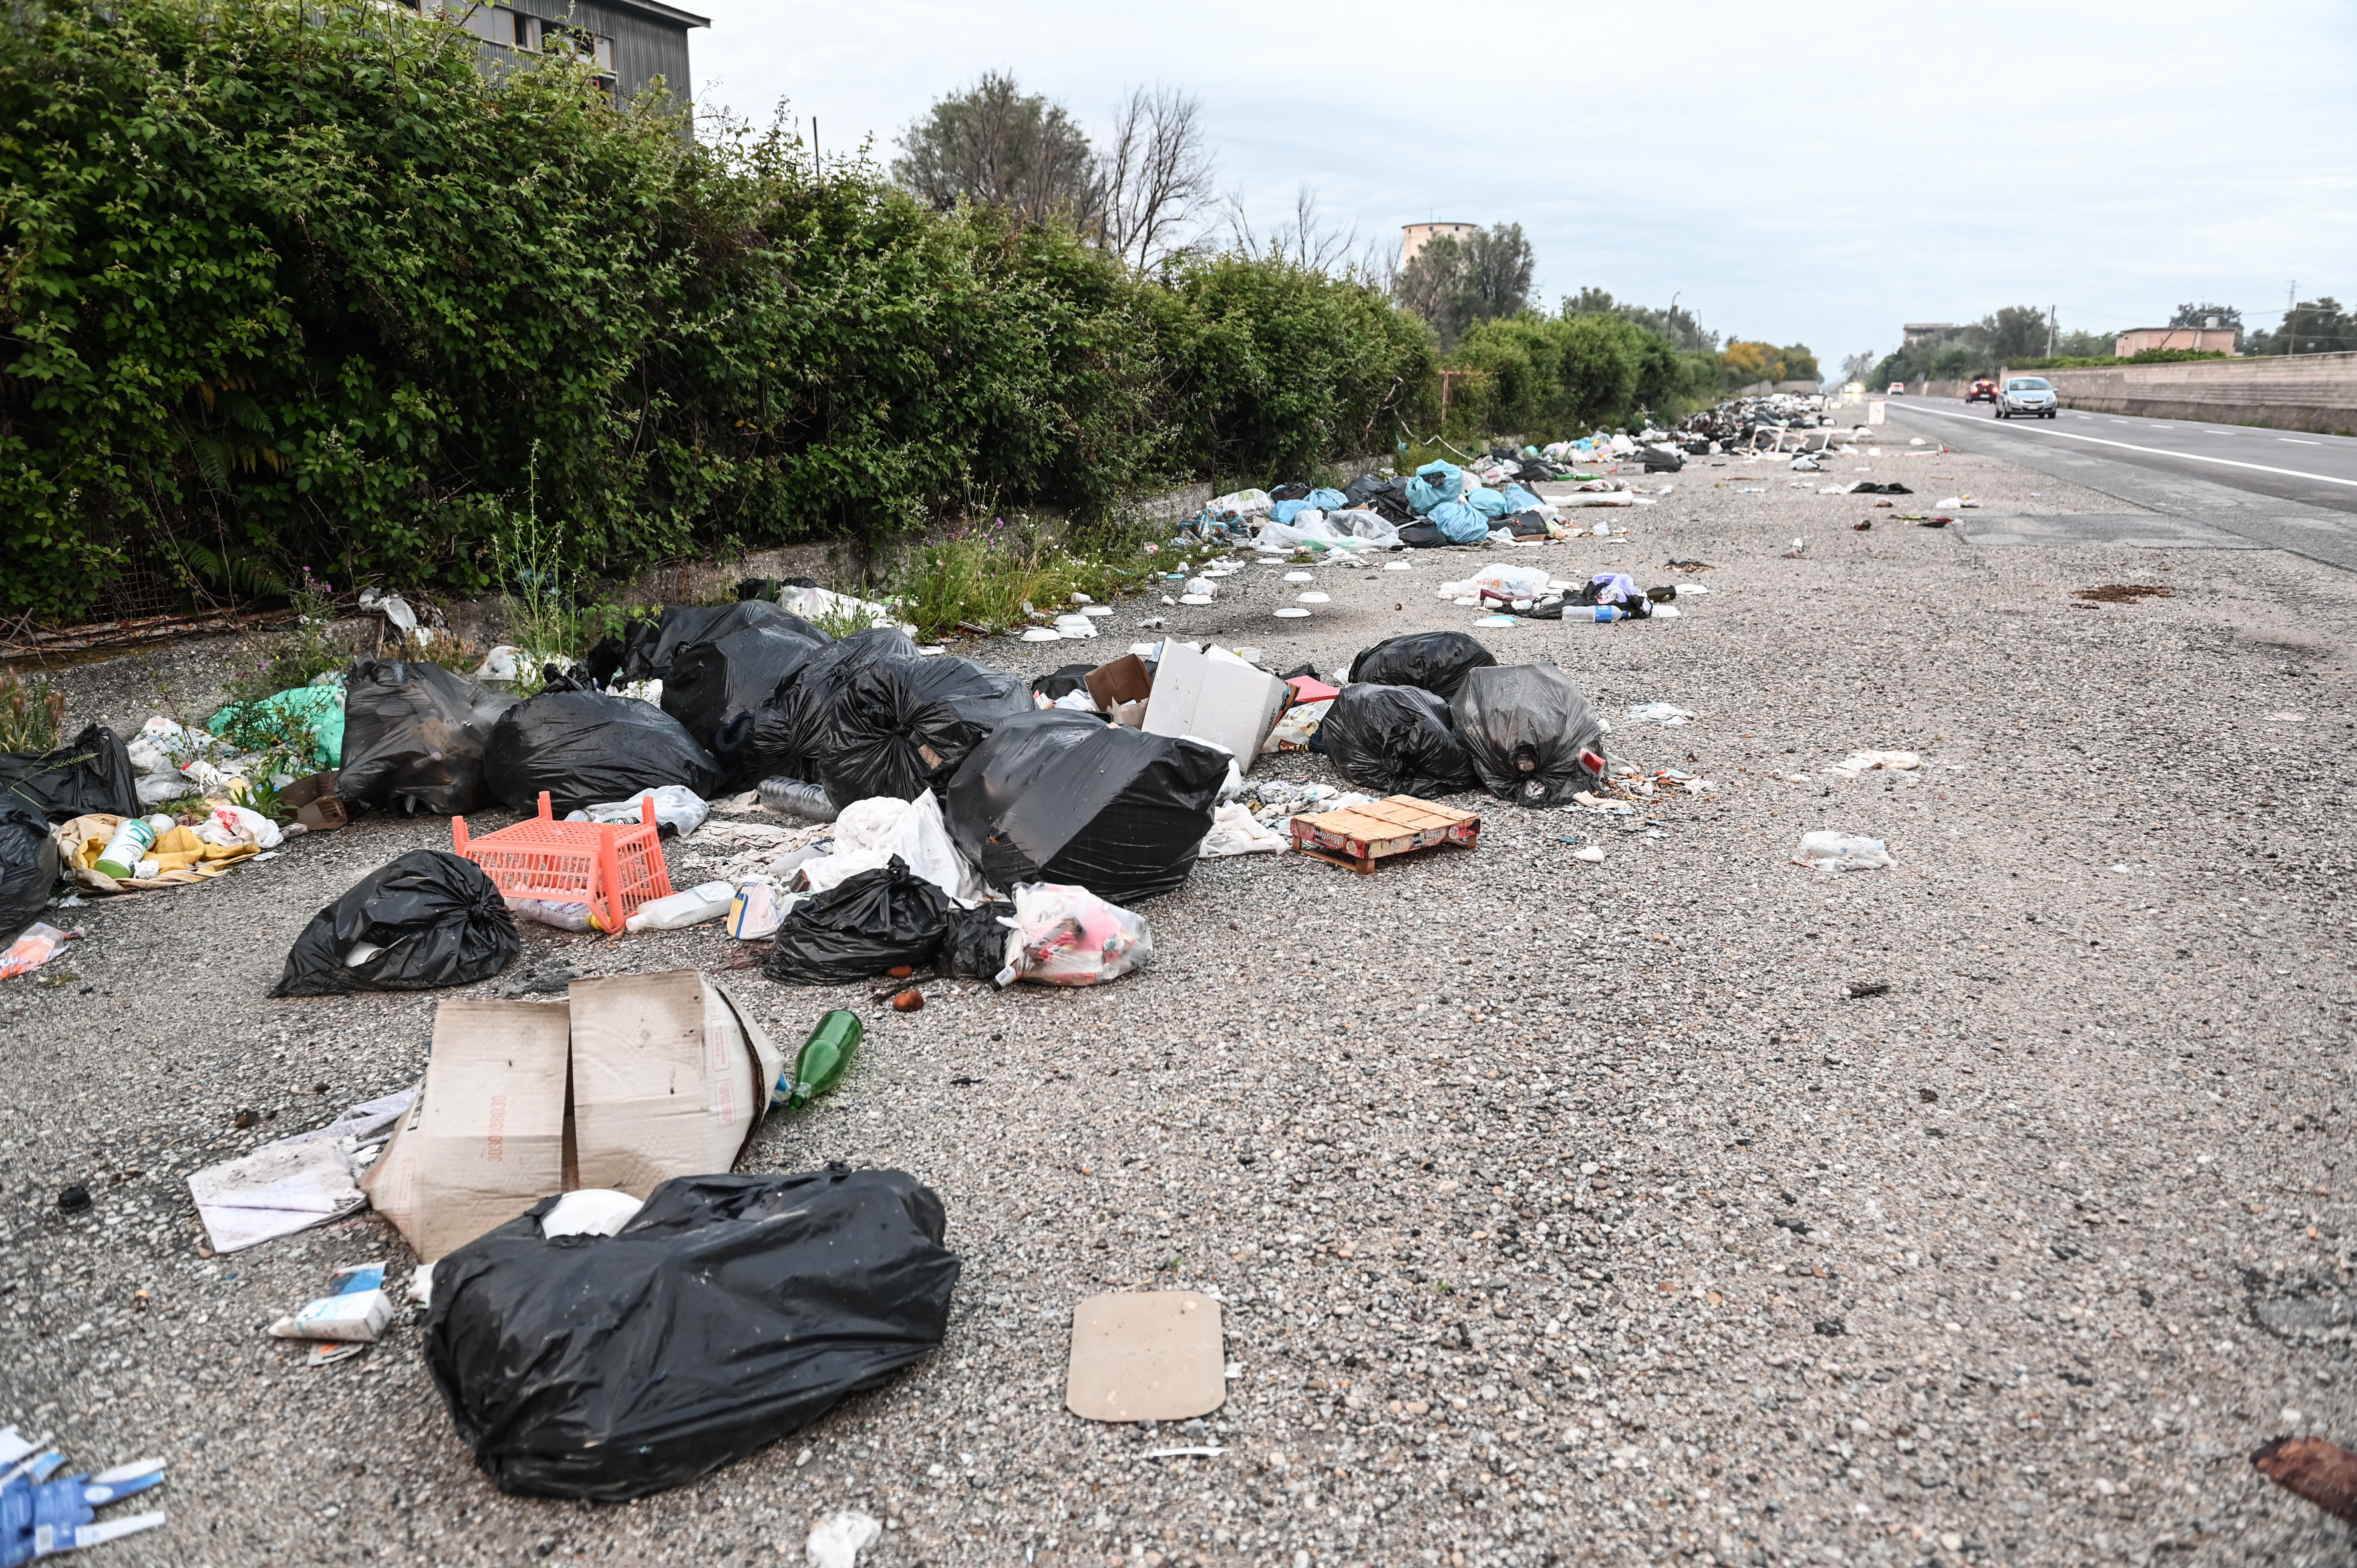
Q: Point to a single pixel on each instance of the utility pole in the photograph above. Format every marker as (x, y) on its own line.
(2049, 331)
(2291, 316)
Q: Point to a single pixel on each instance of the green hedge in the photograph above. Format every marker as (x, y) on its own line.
(1551, 377)
(2142, 356)
(299, 287)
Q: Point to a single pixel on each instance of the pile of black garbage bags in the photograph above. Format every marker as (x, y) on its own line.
(1435, 714)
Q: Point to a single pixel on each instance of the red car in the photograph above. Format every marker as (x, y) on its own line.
(1981, 391)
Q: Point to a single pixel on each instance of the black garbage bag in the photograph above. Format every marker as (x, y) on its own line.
(1065, 680)
(860, 928)
(432, 918)
(902, 725)
(1394, 740)
(29, 867)
(90, 773)
(789, 729)
(415, 736)
(975, 947)
(1064, 797)
(1291, 491)
(653, 641)
(1663, 459)
(1436, 661)
(729, 1312)
(736, 664)
(1532, 738)
(1388, 499)
(587, 746)
(1422, 535)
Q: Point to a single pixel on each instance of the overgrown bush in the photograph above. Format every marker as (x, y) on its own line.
(298, 286)
(1550, 378)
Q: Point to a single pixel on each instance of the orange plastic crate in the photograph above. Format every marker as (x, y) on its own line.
(613, 868)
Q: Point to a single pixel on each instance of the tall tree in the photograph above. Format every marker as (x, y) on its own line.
(2014, 332)
(996, 143)
(1453, 282)
(1153, 174)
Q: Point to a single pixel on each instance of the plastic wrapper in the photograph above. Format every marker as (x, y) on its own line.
(975, 946)
(1438, 662)
(29, 866)
(1068, 936)
(1394, 740)
(903, 725)
(1531, 737)
(584, 748)
(679, 810)
(728, 1312)
(787, 733)
(1065, 797)
(415, 736)
(734, 664)
(1830, 851)
(93, 773)
(861, 927)
(431, 918)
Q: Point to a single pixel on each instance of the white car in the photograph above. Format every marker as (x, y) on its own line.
(2031, 395)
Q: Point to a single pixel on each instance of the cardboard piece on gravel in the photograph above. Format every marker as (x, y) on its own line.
(1146, 1356)
(639, 1078)
(1224, 701)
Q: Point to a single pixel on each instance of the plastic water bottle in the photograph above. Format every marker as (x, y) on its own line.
(800, 799)
(708, 901)
(825, 1057)
(1610, 613)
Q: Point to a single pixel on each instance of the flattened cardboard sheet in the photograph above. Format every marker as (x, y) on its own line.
(1146, 1356)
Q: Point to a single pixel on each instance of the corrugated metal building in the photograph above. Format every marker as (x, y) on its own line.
(634, 42)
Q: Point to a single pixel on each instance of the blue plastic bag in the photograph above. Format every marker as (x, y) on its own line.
(1459, 524)
(1520, 499)
(1285, 511)
(1487, 502)
(1434, 484)
(1328, 501)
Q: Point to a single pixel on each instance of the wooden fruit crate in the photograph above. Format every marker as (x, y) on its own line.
(1358, 836)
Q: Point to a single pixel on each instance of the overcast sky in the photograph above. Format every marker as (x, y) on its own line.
(1813, 174)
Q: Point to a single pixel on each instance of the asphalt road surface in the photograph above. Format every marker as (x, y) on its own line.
(2317, 470)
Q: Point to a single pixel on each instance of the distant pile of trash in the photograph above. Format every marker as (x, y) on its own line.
(1489, 502)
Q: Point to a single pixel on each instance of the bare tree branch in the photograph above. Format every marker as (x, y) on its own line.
(1152, 176)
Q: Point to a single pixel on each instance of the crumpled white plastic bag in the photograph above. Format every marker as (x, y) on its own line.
(869, 833)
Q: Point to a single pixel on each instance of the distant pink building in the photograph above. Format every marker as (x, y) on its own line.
(2200, 339)
(1414, 237)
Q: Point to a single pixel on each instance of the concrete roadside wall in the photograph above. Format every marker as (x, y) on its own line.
(2280, 391)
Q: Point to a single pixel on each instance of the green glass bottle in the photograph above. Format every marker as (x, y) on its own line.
(825, 1057)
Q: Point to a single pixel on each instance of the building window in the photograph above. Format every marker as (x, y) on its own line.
(527, 31)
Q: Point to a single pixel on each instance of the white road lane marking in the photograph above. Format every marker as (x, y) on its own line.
(2156, 451)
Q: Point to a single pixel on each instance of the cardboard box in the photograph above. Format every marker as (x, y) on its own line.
(313, 802)
(1122, 681)
(1219, 700)
(668, 1079)
(639, 1078)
